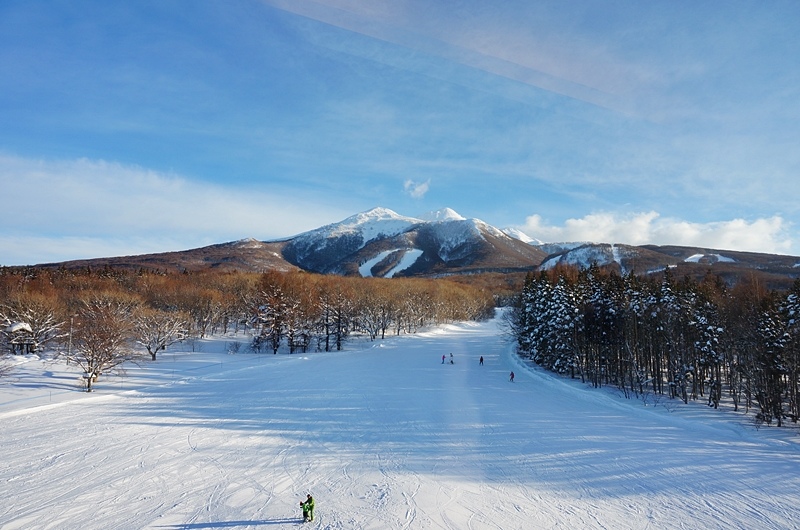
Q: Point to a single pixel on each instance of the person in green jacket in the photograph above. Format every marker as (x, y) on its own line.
(310, 507)
(305, 511)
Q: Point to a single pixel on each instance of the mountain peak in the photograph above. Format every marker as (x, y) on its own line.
(443, 214)
(522, 236)
(375, 221)
(378, 213)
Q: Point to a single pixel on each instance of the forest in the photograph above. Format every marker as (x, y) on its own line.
(657, 337)
(101, 319)
(653, 337)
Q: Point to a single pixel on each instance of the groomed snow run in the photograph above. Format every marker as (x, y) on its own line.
(384, 437)
(409, 257)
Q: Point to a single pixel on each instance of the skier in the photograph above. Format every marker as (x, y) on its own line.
(442, 358)
(512, 377)
(310, 507)
(304, 507)
(451, 359)
(481, 362)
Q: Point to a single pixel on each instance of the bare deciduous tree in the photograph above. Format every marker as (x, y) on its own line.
(155, 330)
(101, 339)
(28, 324)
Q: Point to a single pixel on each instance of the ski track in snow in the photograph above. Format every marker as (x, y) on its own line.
(386, 438)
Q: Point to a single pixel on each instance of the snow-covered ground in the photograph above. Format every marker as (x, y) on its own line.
(384, 437)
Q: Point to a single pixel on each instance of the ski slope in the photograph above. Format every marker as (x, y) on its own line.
(385, 437)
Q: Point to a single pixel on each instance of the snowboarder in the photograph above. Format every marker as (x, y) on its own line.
(481, 361)
(512, 377)
(310, 507)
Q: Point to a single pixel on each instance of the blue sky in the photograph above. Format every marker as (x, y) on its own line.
(133, 127)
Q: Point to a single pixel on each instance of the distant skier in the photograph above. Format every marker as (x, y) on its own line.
(481, 361)
(443, 357)
(310, 507)
(451, 359)
(512, 377)
(305, 511)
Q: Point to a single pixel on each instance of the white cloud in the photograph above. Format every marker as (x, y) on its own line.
(770, 235)
(58, 210)
(417, 189)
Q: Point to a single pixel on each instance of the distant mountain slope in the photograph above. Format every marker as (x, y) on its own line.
(776, 271)
(242, 255)
(382, 243)
(625, 258)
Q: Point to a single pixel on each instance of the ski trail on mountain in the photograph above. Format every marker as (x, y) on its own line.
(389, 438)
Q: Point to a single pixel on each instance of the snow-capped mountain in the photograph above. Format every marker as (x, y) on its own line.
(380, 242)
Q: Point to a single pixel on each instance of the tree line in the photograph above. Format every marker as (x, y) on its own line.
(659, 336)
(100, 319)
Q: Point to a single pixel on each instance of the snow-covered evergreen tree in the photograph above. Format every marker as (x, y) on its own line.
(270, 318)
(790, 311)
(770, 368)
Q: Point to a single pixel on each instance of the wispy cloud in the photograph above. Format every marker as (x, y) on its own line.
(771, 235)
(83, 208)
(284, 115)
(417, 190)
(500, 47)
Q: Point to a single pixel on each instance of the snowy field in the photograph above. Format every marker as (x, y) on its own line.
(384, 438)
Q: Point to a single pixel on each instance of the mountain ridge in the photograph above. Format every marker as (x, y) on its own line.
(382, 243)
